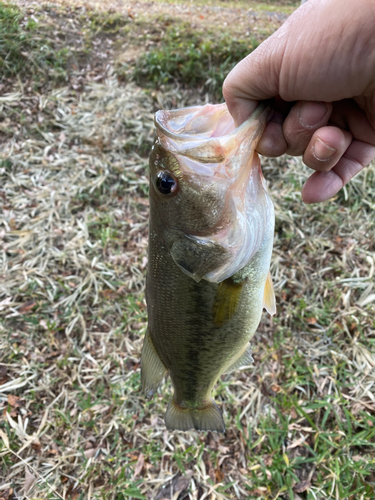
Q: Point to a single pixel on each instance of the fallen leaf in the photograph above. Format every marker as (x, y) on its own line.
(173, 488)
(55, 450)
(43, 324)
(275, 388)
(6, 494)
(258, 491)
(296, 443)
(3, 375)
(90, 453)
(99, 408)
(74, 494)
(209, 469)
(293, 413)
(154, 420)
(302, 486)
(267, 459)
(15, 401)
(35, 445)
(28, 306)
(109, 294)
(139, 465)
(29, 480)
(219, 474)
(311, 321)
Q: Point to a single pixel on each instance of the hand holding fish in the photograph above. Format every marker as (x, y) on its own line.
(320, 68)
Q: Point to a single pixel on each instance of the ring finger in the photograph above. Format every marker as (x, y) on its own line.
(326, 147)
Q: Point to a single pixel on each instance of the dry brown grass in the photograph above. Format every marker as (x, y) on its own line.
(73, 234)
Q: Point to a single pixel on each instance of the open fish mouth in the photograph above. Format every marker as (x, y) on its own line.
(210, 149)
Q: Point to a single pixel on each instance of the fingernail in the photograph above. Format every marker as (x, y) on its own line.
(311, 113)
(322, 151)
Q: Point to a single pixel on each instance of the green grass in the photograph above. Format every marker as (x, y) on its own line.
(110, 23)
(324, 454)
(43, 45)
(312, 441)
(284, 6)
(26, 48)
(192, 58)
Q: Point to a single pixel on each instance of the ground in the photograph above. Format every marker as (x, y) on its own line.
(80, 83)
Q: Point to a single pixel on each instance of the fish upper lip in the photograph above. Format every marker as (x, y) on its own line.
(262, 106)
(180, 137)
(189, 145)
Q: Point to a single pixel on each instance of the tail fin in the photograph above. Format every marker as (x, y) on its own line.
(208, 418)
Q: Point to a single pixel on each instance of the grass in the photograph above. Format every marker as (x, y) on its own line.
(284, 6)
(73, 234)
(195, 58)
(26, 48)
(51, 45)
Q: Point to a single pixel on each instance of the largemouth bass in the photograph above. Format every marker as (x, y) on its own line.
(210, 244)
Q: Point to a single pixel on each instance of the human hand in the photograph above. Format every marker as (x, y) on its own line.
(320, 69)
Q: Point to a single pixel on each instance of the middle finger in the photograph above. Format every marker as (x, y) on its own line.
(302, 121)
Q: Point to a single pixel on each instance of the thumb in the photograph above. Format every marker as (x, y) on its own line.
(253, 79)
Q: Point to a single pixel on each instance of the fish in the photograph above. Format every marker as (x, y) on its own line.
(210, 242)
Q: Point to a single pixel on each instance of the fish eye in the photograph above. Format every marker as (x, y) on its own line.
(166, 183)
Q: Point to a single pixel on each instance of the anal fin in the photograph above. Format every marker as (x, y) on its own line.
(152, 368)
(269, 300)
(244, 359)
(208, 418)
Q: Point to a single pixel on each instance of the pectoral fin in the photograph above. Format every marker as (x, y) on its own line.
(269, 300)
(152, 368)
(226, 301)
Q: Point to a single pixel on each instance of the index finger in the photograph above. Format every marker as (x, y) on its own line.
(249, 82)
